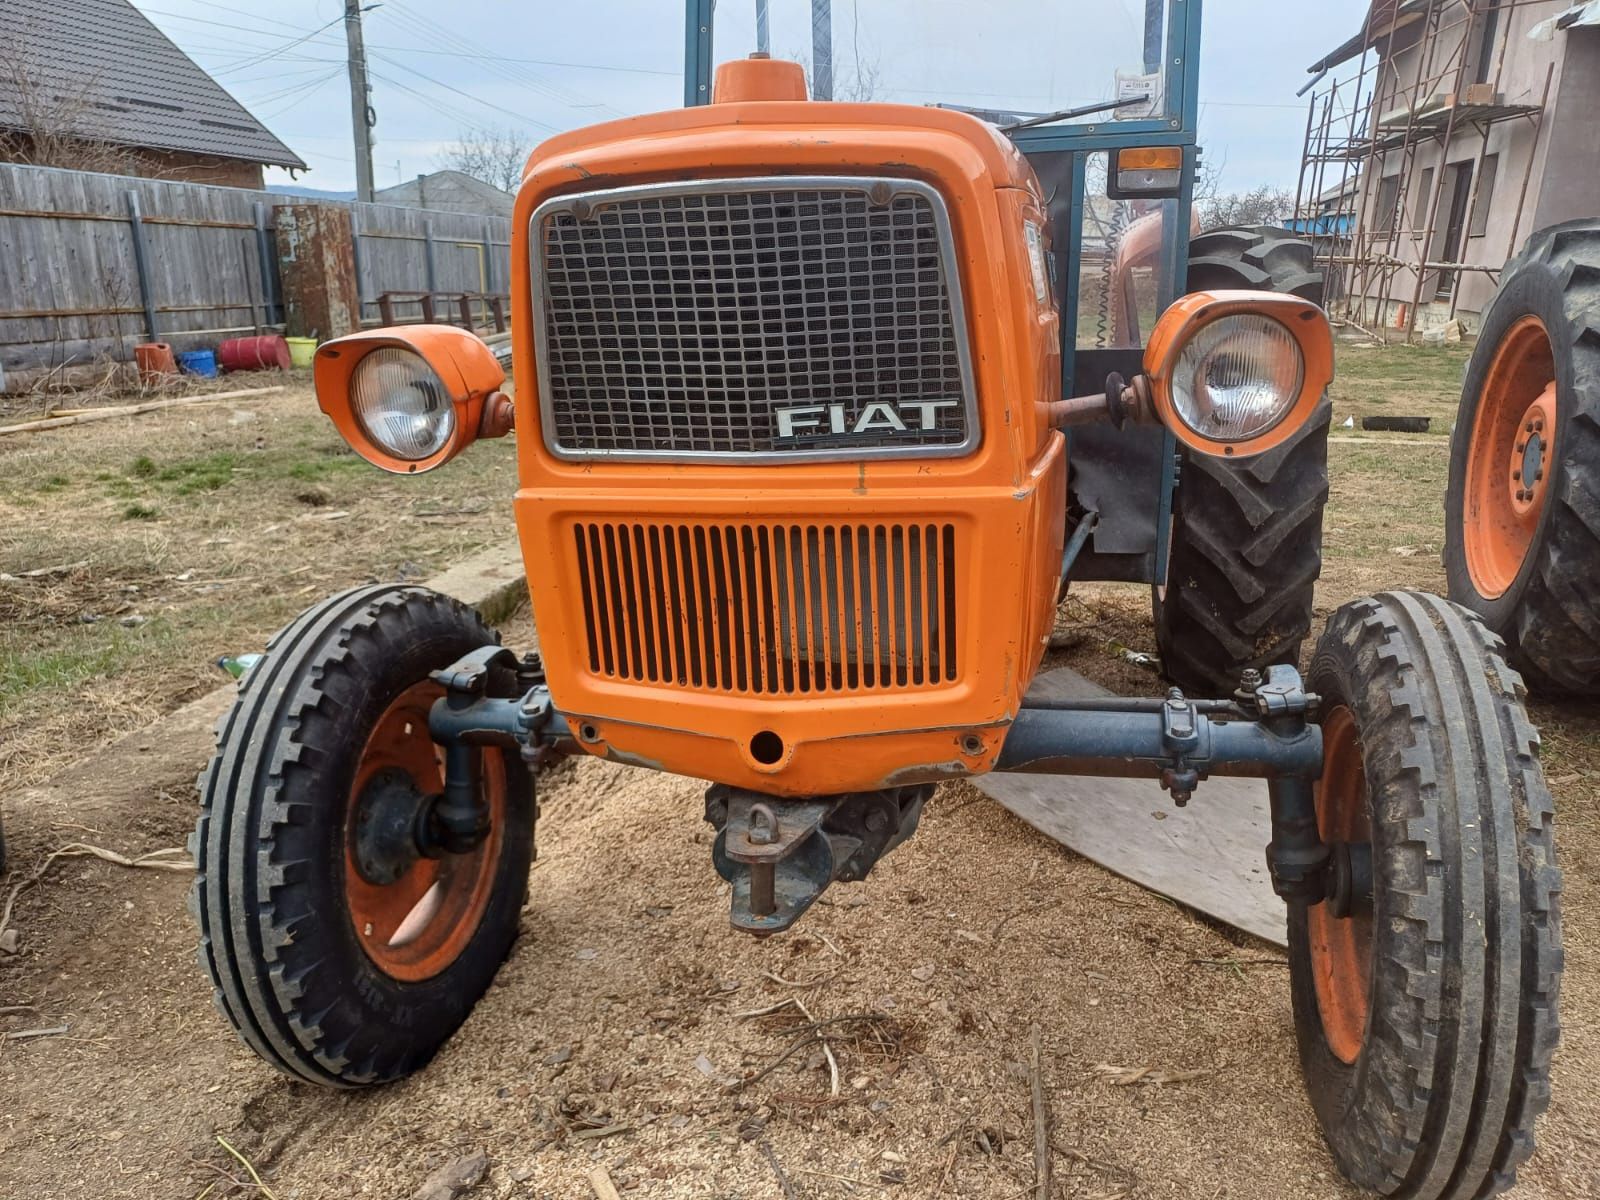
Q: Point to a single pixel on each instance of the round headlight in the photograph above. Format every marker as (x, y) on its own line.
(1237, 377)
(401, 405)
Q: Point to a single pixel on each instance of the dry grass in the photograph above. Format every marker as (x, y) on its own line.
(167, 540)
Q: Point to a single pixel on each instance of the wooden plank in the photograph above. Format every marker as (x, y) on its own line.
(1210, 855)
(133, 410)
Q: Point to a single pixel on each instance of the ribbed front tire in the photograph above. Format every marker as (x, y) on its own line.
(1427, 1023)
(312, 962)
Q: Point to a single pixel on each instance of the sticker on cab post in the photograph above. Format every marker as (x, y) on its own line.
(1035, 241)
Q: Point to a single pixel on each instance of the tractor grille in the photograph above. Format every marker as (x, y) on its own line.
(770, 609)
(783, 318)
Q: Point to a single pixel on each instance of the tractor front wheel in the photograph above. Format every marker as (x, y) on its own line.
(344, 943)
(1522, 511)
(1425, 989)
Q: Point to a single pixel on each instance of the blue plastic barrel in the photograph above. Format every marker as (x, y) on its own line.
(198, 362)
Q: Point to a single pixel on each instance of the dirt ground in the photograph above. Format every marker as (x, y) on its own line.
(626, 1008)
(136, 551)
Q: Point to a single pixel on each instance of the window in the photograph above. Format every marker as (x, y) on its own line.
(1388, 195)
(1485, 196)
(1424, 202)
(1486, 41)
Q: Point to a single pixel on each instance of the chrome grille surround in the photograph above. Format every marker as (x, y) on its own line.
(672, 321)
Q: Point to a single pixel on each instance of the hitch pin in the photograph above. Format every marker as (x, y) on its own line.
(763, 875)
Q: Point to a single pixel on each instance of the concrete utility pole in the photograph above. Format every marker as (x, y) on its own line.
(362, 118)
(822, 49)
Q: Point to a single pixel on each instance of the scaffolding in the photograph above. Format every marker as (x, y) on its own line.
(1379, 253)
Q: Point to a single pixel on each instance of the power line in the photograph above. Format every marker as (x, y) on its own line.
(270, 54)
(429, 29)
(520, 116)
(476, 53)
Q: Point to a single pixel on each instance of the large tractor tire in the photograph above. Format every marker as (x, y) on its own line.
(340, 950)
(1262, 258)
(1246, 538)
(1425, 1004)
(1522, 512)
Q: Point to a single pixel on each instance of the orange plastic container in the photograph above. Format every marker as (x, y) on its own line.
(155, 361)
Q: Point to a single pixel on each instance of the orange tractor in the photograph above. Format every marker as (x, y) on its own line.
(815, 424)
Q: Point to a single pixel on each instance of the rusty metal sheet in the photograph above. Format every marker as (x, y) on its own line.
(316, 263)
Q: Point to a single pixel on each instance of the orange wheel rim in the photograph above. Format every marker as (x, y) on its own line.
(1509, 458)
(417, 925)
(1341, 947)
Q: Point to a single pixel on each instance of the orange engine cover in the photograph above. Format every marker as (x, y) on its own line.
(791, 510)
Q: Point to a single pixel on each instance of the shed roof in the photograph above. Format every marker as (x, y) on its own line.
(144, 90)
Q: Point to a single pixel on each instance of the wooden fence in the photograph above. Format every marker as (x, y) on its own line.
(92, 264)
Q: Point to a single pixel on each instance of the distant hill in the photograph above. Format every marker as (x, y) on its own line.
(294, 189)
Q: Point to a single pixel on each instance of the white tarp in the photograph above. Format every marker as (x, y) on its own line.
(1578, 14)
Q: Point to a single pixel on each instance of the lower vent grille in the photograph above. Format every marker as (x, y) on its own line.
(770, 609)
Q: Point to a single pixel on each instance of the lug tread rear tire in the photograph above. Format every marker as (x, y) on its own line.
(1264, 257)
(276, 749)
(1246, 544)
(1550, 617)
(1455, 1067)
(1246, 553)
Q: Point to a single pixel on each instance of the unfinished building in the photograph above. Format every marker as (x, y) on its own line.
(1438, 138)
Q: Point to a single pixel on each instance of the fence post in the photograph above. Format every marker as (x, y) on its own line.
(269, 266)
(141, 265)
(355, 257)
(488, 255)
(427, 245)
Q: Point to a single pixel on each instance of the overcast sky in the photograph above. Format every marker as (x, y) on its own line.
(545, 66)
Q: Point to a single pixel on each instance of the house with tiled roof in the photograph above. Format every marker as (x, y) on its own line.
(93, 85)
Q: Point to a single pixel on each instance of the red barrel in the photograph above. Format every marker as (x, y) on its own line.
(254, 354)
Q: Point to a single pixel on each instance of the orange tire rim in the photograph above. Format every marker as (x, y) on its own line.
(1341, 947)
(1509, 458)
(416, 926)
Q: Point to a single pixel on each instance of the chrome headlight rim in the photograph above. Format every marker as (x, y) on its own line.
(411, 371)
(1195, 350)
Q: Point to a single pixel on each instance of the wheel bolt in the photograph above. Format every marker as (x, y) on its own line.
(1530, 427)
(1521, 446)
(1516, 475)
(1538, 475)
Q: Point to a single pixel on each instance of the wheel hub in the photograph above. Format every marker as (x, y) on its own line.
(390, 814)
(1340, 928)
(1529, 453)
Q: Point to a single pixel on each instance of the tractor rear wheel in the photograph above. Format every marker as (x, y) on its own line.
(1425, 995)
(344, 947)
(1522, 511)
(1246, 536)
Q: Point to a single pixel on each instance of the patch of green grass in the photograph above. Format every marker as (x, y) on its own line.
(316, 470)
(64, 669)
(143, 467)
(200, 474)
(140, 512)
(1423, 381)
(54, 483)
